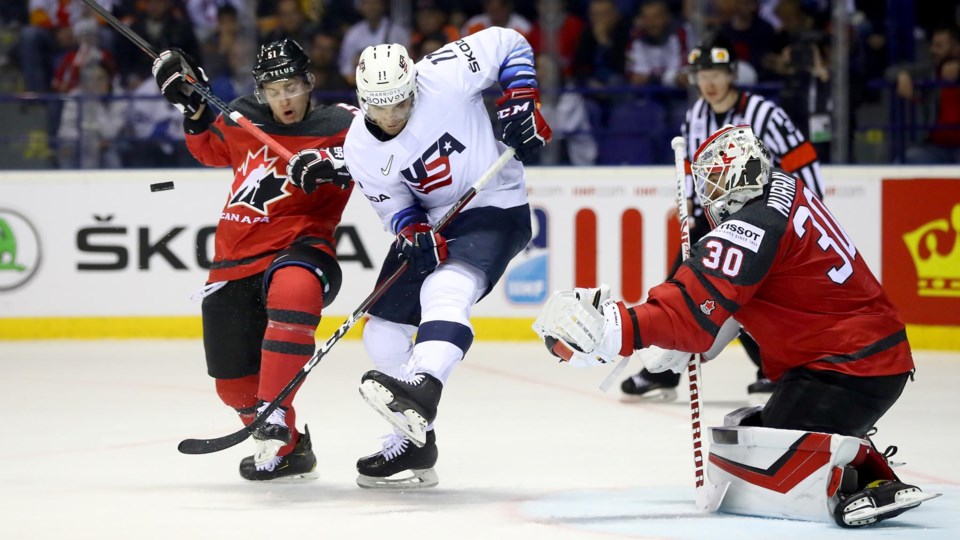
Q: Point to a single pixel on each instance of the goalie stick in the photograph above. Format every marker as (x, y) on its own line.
(204, 91)
(707, 494)
(207, 446)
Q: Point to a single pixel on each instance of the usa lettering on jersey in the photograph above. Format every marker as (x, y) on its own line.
(432, 171)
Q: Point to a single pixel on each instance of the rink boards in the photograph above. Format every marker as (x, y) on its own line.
(97, 254)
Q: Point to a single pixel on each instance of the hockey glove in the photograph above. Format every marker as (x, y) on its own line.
(581, 327)
(524, 128)
(310, 168)
(172, 69)
(424, 248)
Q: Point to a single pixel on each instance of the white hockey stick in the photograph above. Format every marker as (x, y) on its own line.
(708, 495)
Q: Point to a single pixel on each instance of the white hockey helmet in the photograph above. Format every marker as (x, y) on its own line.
(729, 169)
(385, 76)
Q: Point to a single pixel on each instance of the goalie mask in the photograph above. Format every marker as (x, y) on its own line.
(729, 169)
(386, 78)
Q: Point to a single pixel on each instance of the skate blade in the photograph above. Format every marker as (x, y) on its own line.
(658, 395)
(869, 514)
(419, 479)
(267, 450)
(294, 478)
(412, 424)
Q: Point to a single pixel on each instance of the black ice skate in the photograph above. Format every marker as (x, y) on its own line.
(411, 466)
(880, 500)
(271, 435)
(297, 464)
(639, 388)
(416, 398)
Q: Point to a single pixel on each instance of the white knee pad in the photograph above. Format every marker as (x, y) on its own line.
(450, 291)
(388, 344)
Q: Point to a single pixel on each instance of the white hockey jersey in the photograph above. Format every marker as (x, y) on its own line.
(448, 141)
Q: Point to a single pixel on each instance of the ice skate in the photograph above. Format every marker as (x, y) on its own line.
(637, 388)
(759, 391)
(400, 464)
(300, 463)
(880, 500)
(272, 435)
(415, 397)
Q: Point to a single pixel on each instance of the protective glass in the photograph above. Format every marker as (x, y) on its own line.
(276, 91)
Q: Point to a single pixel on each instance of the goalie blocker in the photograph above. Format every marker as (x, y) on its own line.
(782, 473)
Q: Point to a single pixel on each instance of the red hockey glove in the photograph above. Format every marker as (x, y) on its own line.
(424, 248)
(524, 128)
(312, 167)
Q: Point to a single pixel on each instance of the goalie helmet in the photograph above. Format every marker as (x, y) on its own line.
(385, 76)
(729, 169)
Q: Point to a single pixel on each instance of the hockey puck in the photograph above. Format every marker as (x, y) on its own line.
(161, 186)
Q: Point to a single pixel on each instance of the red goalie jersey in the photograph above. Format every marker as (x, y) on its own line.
(790, 275)
(264, 213)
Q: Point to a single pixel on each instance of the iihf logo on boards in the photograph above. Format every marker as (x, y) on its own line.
(19, 250)
(528, 274)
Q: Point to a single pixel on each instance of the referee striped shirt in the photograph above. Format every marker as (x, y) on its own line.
(789, 149)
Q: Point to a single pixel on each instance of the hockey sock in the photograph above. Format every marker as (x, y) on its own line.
(241, 394)
(294, 303)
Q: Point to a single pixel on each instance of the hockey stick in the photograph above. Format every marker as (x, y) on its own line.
(207, 446)
(708, 495)
(204, 91)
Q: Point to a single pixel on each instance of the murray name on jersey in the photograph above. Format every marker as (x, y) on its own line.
(446, 144)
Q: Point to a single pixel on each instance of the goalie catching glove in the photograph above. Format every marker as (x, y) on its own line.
(584, 327)
(524, 128)
(174, 69)
(310, 168)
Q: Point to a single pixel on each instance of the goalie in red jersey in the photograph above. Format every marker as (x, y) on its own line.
(780, 263)
(275, 266)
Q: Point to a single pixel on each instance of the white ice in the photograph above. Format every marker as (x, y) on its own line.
(529, 449)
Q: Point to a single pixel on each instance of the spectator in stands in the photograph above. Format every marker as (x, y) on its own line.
(87, 51)
(375, 28)
(430, 43)
(568, 117)
(161, 26)
(941, 101)
(90, 124)
(601, 54)
(156, 130)
(46, 38)
(753, 38)
(207, 16)
(658, 48)
(292, 23)
(216, 46)
(432, 18)
(497, 13)
(233, 80)
(323, 49)
(568, 27)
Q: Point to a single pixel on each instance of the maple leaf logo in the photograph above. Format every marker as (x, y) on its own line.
(257, 184)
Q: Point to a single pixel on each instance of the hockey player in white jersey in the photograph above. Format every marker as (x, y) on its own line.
(423, 139)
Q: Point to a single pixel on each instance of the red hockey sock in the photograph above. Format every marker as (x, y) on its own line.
(241, 394)
(294, 303)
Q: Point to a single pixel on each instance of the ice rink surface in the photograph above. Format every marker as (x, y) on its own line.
(529, 449)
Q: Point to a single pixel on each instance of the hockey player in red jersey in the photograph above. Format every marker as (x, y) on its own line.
(275, 265)
(777, 260)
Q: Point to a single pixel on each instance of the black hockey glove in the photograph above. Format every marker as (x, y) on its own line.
(312, 167)
(424, 248)
(524, 128)
(172, 69)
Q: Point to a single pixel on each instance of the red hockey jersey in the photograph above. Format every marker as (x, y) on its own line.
(264, 213)
(790, 275)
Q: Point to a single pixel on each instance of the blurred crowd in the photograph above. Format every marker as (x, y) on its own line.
(100, 106)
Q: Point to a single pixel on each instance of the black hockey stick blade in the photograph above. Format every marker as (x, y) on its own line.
(209, 446)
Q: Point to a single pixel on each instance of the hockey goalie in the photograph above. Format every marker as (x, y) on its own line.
(777, 263)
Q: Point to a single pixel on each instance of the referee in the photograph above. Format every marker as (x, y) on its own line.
(713, 69)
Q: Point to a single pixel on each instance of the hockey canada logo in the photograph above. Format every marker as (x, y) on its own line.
(432, 170)
(257, 183)
(707, 307)
(19, 250)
